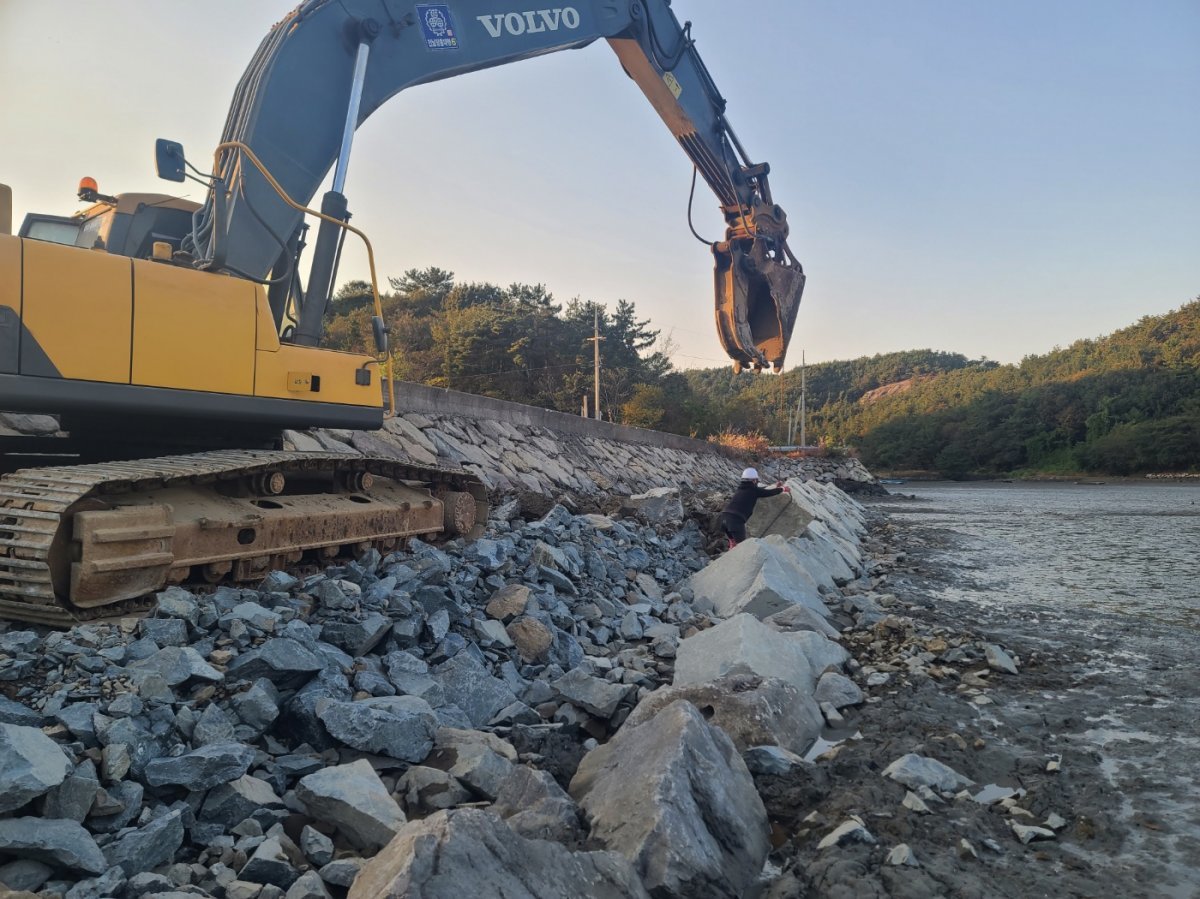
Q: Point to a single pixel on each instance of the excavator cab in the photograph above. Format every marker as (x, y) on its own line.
(123, 225)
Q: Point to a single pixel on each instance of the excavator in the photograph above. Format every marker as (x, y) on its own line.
(176, 341)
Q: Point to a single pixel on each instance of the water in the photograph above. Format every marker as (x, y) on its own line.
(1106, 576)
(1123, 548)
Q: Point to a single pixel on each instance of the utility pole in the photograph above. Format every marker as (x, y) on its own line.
(803, 401)
(595, 339)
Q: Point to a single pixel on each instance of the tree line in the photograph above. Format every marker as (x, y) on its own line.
(1121, 404)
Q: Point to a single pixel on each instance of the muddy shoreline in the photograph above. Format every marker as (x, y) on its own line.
(1108, 707)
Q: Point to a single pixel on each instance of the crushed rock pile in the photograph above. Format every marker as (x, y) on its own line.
(577, 705)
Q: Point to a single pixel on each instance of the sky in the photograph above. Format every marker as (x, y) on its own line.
(993, 179)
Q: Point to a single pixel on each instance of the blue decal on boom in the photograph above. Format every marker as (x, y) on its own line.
(437, 26)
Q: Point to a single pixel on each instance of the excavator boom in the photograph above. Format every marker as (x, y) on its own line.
(328, 65)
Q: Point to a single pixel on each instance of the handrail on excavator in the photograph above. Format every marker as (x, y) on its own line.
(383, 356)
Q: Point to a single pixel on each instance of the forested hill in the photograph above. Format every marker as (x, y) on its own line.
(1121, 404)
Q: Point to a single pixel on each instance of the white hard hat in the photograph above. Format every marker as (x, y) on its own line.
(750, 474)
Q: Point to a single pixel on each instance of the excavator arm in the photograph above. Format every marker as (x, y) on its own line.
(329, 64)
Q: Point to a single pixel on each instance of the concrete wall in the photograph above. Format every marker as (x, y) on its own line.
(438, 401)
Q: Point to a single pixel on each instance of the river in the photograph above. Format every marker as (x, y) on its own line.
(1105, 574)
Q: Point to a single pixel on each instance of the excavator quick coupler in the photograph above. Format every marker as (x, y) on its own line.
(758, 288)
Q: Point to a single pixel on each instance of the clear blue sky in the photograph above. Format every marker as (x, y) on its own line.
(991, 178)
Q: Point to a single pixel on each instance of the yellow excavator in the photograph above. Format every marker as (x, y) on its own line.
(175, 341)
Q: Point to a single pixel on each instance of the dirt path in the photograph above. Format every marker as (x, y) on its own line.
(1100, 727)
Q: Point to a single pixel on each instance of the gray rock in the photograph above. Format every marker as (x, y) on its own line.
(214, 726)
(1028, 833)
(822, 653)
(468, 685)
(72, 799)
(487, 554)
(431, 790)
(164, 631)
(778, 515)
(686, 835)
(201, 769)
(270, 864)
(177, 665)
(231, 803)
(359, 635)
(116, 807)
(838, 690)
(307, 886)
(902, 854)
(242, 889)
(175, 602)
(258, 707)
(659, 505)
(53, 841)
(354, 800)
(149, 846)
(15, 713)
(142, 884)
(469, 852)
(760, 577)
(801, 618)
(110, 883)
(480, 761)
(999, 660)
(400, 727)
(537, 808)
(916, 771)
(850, 831)
(753, 711)
(773, 760)
(30, 765)
(25, 874)
(743, 645)
(594, 695)
(341, 872)
(317, 847)
(283, 662)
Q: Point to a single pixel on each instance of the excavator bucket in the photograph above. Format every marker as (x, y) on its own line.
(758, 286)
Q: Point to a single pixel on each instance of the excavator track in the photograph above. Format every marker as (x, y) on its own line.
(79, 542)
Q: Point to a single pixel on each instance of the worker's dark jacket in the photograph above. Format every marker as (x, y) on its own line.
(741, 506)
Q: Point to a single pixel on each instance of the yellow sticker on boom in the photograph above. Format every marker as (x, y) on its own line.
(673, 84)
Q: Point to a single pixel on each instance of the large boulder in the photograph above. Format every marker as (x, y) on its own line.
(470, 852)
(354, 800)
(675, 798)
(752, 710)
(743, 645)
(752, 577)
(30, 764)
(778, 515)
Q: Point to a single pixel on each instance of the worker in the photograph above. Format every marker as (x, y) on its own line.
(741, 505)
